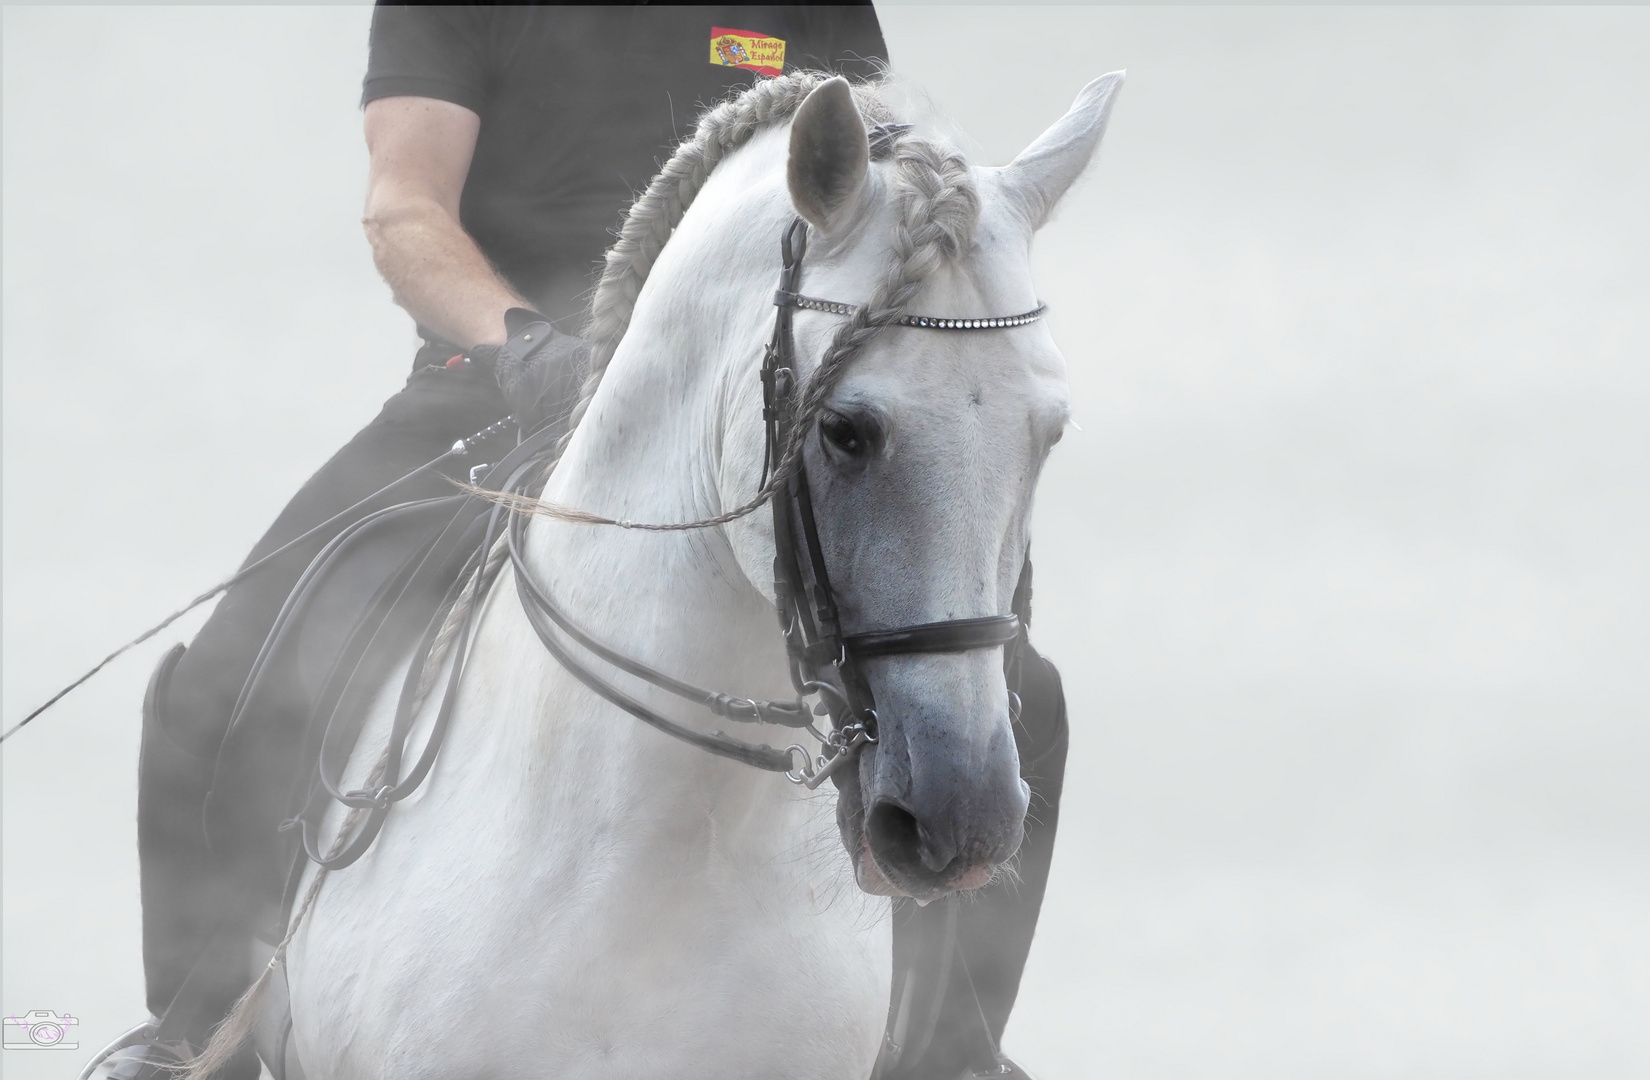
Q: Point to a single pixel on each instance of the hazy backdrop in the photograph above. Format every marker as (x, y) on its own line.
(1346, 568)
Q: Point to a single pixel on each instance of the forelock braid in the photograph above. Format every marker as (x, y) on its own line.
(936, 207)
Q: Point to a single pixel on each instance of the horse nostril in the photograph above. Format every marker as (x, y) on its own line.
(898, 841)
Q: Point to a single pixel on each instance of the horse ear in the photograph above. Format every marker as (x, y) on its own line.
(1046, 168)
(829, 155)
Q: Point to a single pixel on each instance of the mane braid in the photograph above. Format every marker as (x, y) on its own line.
(652, 218)
(936, 207)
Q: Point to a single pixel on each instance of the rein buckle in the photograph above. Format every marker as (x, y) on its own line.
(841, 748)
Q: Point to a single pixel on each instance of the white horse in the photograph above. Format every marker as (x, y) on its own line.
(573, 893)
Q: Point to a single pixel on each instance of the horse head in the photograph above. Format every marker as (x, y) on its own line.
(922, 456)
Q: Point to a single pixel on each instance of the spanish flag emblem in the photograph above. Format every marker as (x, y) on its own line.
(741, 48)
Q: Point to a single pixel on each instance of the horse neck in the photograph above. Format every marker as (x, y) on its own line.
(654, 446)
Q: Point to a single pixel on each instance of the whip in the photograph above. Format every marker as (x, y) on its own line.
(459, 449)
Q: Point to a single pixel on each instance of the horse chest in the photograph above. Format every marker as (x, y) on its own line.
(557, 926)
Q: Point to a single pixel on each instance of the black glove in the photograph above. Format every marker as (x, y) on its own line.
(539, 369)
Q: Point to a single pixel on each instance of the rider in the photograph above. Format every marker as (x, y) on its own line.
(503, 142)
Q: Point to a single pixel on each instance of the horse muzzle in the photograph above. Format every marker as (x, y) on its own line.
(932, 821)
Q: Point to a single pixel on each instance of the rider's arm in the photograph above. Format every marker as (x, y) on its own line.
(420, 152)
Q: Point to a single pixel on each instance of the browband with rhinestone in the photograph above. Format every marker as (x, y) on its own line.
(924, 322)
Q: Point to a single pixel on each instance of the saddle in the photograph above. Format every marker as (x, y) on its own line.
(382, 589)
(359, 608)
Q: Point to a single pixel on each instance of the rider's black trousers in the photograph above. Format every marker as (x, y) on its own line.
(189, 895)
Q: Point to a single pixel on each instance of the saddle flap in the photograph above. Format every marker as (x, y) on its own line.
(358, 609)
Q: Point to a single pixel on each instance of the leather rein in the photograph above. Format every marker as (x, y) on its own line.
(824, 661)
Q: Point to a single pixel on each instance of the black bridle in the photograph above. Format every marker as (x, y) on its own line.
(823, 660)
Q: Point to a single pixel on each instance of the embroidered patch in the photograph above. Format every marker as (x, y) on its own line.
(744, 49)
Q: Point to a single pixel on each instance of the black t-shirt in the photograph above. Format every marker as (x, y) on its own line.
(580, 105)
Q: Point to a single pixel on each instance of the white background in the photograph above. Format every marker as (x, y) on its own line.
(1346, 569)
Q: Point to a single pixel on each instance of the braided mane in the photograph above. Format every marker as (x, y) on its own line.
(936, 208)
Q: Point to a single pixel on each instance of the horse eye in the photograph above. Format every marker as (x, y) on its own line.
(841, 433)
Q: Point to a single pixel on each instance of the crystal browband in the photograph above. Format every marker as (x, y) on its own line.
(923, 322)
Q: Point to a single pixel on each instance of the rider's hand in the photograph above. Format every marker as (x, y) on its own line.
(539, 369)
